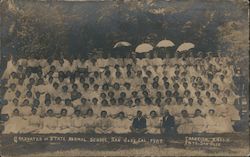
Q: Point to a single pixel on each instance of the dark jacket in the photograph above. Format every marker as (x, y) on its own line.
(168, 122)
(139, 123)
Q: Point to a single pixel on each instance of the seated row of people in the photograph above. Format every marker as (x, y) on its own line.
(118, 124)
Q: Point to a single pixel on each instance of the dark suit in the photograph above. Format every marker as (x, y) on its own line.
(168, 125)
(139, 123)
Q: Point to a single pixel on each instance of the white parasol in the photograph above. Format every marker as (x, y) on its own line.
(143, 48)
(165, 43)
(122, 44)
(185, 47)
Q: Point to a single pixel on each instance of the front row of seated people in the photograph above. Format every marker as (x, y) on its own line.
(118, 124)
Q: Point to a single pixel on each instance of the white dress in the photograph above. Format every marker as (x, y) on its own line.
(121, 126)
(153, 125)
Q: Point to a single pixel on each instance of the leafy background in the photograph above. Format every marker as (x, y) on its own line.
(52, 27)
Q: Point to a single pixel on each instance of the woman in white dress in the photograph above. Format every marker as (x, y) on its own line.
(185, 123)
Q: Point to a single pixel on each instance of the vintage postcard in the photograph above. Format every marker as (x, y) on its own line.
(124, 78)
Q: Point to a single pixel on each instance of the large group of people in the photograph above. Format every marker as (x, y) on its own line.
(120, 95)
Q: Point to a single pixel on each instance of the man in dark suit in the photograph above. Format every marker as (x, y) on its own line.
(168, 125)
(139, 124)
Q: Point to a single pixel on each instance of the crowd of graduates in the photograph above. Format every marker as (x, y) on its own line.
(120, 95)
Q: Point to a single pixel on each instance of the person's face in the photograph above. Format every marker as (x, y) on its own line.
(190, 101)
(155, 86)
(148, 73)
(61, 61)
(107, 74)
(15, 102)
(129, 74)
(168, 93)
(153, 114)
(158, 94)
(184, 114)
(104, 103)
(96, 74)
(121, 115)
(145, 93)
(168, 101)
(127, 86)
(78, 113)
(111, 94)
(198, 113)
(52, 68)
(26, 102)
(90, 113)
(72, 80)
(158, 101)
(20, 81)
(28, 73)
(113, 102)
(50, 80)
(58, 101)
(167, 113)
(116, 86)
(13, 87)
(120, 101)
(96, 87)
(13, 75)
(86, 87)
(47, 102)
(16, 113)
(65, 90)
(33, 111)
(17, 94)
(137, 102)
(83, 101)
(74, 87)
(29, 94)
(224, 100)
(91, 80)
(139, 74)
(166, 85)
(156, 79)
(103, 95)
(82, 80)
(139, 114)
(192, 78)
(186, 93)
(50, 113)
(200, 101)
(143, 87)
(38, 94)
(67, 102)
(55, 86)
(197, 94)
(185, 85)
(103, 114)
(39, 74)
(105, 87)
(95, 101)
(118, 74)
(211, 112)
(208, 95)
(64, 113)
(134, 94)
(61, 79)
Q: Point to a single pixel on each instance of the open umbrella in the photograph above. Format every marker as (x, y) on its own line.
(143, 48)
(165, 43)
(122, 44)
(185, 47)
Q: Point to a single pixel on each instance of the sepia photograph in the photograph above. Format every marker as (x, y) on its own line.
(124, 78)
